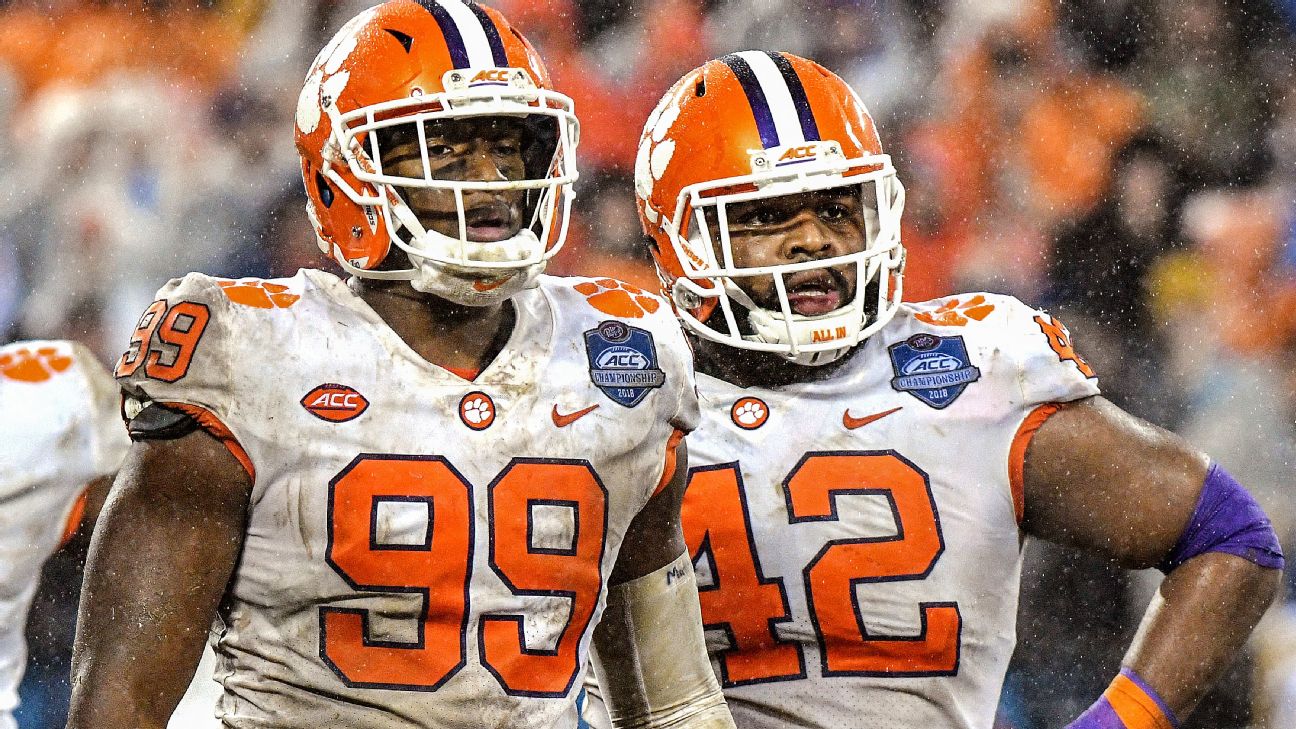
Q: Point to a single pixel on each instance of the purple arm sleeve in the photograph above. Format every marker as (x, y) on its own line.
(1227, 520)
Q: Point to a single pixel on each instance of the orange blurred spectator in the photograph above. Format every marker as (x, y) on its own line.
(1239, 236)
(1031, 123)
(82, 43)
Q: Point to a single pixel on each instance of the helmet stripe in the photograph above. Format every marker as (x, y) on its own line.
(778, 93)
(755, 97)
(464, 36)
(809, 128)
(449, 31)
(492, 35)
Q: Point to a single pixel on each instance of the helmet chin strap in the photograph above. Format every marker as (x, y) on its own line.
(466, 285)
(472, 286)
(773, 327)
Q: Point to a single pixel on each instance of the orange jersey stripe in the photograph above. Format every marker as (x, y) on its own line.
(1017, 454)
(1135, 708)
(74, 518)
(465, 373)
(672, 448)
(212, 424)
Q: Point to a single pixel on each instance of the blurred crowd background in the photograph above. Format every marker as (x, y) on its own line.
(1129, 164)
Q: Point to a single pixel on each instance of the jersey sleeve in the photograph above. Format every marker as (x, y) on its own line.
(1042, 356)
(185, 355)
(687, 414)
(106, 441)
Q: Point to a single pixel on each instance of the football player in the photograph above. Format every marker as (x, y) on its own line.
(61, 440)
(409, 495)
(866, 469)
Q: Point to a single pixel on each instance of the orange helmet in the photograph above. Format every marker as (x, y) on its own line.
(410, 62)
(755, 125)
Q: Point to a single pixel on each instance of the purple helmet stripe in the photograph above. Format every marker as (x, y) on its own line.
(449, 31)
(756, 98)
(799, 99)
(492, 35)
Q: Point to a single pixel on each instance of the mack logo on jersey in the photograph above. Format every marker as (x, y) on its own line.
(933, 369)
(335, 403)
(623, 362)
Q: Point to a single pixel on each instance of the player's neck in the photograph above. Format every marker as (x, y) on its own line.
(747, 368)
(446, 334)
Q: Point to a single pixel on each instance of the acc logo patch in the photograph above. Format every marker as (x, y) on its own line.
(933, 369)
(335, 403)
(477, 410)
(623, 362)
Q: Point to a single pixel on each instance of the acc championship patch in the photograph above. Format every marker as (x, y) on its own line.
(623, 362)
(933, 369)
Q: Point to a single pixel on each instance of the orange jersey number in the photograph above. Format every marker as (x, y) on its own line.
(743, 602)
(749, 606)
(177, 331)
(439, 571)
(846, 646)
(568, 567)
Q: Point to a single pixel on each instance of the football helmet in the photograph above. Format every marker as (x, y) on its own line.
(407, 66)
(751, 126)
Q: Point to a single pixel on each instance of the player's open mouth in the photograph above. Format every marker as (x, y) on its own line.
(816, 292)
(490, 223)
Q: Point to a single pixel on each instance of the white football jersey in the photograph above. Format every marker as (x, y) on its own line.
(422, 549)
(856, 538)
(60, 429)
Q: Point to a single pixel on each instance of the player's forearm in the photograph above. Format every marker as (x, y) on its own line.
(1196, 624)
(650, 655)
(109, 708)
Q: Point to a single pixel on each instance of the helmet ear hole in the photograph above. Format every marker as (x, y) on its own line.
(325, 191)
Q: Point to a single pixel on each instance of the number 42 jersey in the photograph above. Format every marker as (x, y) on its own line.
(856, 538)
(423, 548)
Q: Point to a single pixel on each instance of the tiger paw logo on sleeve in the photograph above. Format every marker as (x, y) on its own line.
(617, 298)
(623, 362)
(956, 313)
(933, 369)
(27, 365)
(257, 293)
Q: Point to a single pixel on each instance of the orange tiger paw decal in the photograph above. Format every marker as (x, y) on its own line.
(617, 298)
(26, 365)
(258, 293)
(954, 313)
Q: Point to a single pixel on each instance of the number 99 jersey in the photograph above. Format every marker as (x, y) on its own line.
(856, 538)
(423, 548)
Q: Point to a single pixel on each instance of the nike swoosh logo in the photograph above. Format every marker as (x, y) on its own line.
(853, 423)
(562, 421)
